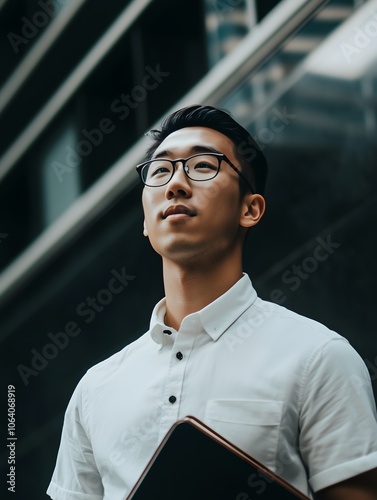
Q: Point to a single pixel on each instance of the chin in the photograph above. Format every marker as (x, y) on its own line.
(186, 253)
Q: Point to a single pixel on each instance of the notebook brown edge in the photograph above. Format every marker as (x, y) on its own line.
(227, 444)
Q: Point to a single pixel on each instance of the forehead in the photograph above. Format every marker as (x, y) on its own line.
(186, 141)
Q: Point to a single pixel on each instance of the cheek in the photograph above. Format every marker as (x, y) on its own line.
(147, 202)
(221, 216)
(224, 188)
(221, 198)
(217, 190)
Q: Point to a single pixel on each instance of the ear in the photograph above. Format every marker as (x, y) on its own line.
(145, 232)
(252, 210)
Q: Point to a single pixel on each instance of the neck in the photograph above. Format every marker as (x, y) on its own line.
(189, 290)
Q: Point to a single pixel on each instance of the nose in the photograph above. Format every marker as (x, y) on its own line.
(179, 184)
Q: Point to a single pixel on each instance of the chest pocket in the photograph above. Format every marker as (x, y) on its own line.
(252, 425)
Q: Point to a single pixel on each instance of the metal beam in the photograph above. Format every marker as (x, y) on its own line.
(2, 3)
(37, 52)
(70, 86)
(260, 44)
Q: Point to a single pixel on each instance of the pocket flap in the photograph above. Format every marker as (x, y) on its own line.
(251, 412)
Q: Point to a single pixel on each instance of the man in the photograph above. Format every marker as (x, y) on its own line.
(287, 390)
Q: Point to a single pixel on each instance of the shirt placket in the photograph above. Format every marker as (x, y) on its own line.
(179, 357)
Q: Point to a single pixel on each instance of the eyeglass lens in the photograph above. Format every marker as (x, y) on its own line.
(198, 168)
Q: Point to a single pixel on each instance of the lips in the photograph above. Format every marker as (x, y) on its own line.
(178, 209)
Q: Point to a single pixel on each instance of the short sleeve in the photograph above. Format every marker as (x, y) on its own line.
(338, 424)
(76, 476)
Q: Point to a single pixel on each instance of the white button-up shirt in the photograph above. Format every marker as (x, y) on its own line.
(287, 390)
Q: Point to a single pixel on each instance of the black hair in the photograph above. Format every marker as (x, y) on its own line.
(247, 151)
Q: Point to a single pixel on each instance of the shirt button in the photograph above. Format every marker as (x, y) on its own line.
(172, 399)
(179, 355)
(168, 332)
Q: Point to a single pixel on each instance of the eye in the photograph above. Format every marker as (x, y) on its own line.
(205, 166)
(159, 168)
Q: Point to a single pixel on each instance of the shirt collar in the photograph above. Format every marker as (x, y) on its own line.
(214, 319)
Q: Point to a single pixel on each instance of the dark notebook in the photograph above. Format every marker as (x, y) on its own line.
(193, 462)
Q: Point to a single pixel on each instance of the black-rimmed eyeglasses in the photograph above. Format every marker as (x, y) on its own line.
(199, 167)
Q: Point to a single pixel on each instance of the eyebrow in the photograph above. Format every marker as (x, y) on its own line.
(194, 149)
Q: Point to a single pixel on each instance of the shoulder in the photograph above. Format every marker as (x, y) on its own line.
(285, 323)
(304, 341)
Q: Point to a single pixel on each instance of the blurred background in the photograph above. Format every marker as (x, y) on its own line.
(81, 82)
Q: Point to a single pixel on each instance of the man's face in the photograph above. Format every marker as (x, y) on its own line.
(211, 228)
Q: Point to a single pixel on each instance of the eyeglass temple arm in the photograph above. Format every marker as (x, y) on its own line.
(240, 174)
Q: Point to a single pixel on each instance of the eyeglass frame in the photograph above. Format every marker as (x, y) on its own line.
(220, 157)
